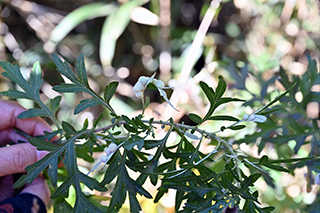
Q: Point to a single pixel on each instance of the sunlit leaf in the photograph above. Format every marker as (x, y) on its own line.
(112, 29)
(79, 15)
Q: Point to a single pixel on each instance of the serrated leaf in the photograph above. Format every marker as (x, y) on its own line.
(16, 94)
(83, 205)
(110, 90)
(14, 74)
(69, 159)
(80, 84)
(112, 170)
(61, 206)
(84, 104)
(49, 135)
(249, 181)
(62, 190)
(161, 191)
(55, 103)
(134, 204)
(118, 196)
(35, 169)
(82, 151)
(31, 90)
(43, 144)
(63, 87)
(31, 113)
(64, 68)
(53, 171)
(90, 182)
(141, 190)
(68, 128)
(132, 141)
(81, 70)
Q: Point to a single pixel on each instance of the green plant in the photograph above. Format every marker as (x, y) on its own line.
(200, 186)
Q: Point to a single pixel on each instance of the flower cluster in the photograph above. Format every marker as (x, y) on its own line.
(110, 150)
(142, 84)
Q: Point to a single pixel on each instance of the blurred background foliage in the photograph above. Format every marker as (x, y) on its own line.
(259, 46)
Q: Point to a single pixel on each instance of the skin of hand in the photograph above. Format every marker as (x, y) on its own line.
(14, 158)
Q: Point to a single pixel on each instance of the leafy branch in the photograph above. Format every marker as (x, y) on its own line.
(193, 174)
(30, 91)
(80, 84)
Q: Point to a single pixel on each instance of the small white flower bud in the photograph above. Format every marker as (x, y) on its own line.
(254, 118)
(260, 118)
(251, 117)
(113, 147)
(159, 84)
(104, 158)
(245, 117)
(138, 87)
(317, 179)
(143, 80)
(107, 151)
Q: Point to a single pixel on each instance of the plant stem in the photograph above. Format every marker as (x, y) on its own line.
(237, 161)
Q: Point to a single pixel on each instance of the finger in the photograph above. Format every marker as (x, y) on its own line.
(15, 158)
(9, 110)
(39, 188)
(10, 136)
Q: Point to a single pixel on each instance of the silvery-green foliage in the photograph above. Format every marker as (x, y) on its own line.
(186, 168)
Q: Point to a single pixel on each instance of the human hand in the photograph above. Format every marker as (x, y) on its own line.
(14, 158)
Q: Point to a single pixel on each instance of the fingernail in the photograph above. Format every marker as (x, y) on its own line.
(41, 154)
